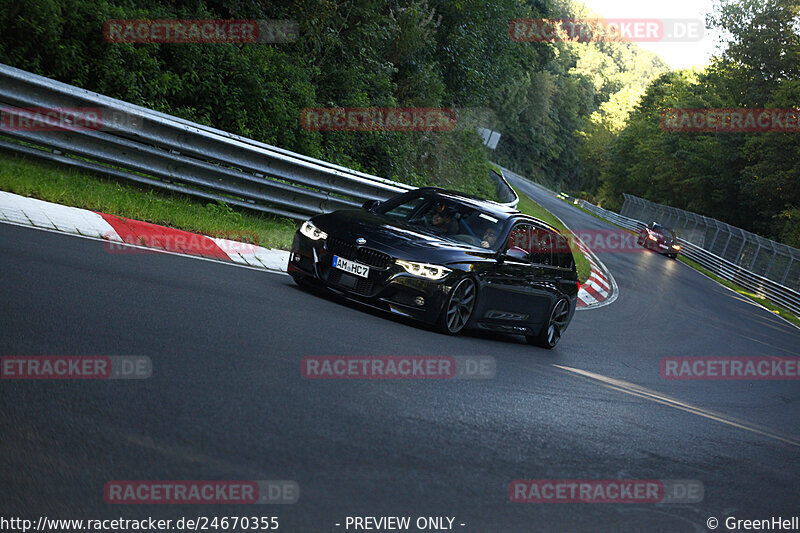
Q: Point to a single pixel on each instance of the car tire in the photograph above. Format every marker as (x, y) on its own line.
(458, 307)
(551, 332)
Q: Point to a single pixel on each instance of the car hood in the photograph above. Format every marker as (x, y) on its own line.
(399, 240)
(665, 239)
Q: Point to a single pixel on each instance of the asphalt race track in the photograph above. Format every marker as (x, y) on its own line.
(227, 401)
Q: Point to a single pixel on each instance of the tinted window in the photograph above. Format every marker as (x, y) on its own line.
(664, 232)
(519, 239)
(562, 254)
(542, 247)
(402, 210)
(447, 218)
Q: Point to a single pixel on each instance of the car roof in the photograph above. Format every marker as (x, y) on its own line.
(475, 201)
(502, 211)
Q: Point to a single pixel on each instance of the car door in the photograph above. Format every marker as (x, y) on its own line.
(512, 294)
(553, 265)
(546, 272)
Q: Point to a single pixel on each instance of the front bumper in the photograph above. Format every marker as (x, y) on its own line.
(389, 287)
(666, 249)
(658, 246)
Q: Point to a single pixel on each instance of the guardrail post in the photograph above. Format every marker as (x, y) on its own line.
(755, 256)
(696, 225)
(625, 205)
(788, 268)
(741, 249)
(725, 248)
(771, 259)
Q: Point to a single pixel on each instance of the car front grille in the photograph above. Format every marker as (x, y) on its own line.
(341, 248)
(374, 258)
(367, 256)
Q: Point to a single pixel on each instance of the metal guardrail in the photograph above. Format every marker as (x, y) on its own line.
(774, 292)
(770, 259)
(159, 150)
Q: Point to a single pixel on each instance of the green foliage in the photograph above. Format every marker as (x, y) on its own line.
(559, 130)
(223, 211)
(576, 116)
(358, 54)
(751, 180)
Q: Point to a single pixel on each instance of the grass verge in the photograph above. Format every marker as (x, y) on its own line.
(529, 207)
(72, 187)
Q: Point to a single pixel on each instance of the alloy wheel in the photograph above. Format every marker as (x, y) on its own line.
(460, 306)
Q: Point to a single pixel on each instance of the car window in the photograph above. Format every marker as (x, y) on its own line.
(519, 239)
(663, 232)
(485, 228)
(404, 210)
(542, 247)
(562, 254)
(446, 218)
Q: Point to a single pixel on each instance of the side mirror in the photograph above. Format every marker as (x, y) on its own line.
(369, 205)
(515, 254)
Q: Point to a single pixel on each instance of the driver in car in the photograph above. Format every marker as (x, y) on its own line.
(489, 238)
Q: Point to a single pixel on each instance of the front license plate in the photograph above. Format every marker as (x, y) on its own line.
(350, 266)
(663, 246)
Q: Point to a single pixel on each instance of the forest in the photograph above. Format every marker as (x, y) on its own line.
(583, 117)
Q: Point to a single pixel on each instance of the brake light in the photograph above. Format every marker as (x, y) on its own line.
(579, 285)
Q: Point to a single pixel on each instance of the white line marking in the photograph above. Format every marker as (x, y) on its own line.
(647, 394)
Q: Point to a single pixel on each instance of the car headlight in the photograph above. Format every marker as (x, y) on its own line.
(312, 232)
(651, 236)
(676, 246)
(424, 270)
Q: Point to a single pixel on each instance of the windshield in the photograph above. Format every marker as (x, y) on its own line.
(664, 232)
(447, 218)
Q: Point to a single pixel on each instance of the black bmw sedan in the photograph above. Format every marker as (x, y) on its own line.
(446, 259)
